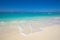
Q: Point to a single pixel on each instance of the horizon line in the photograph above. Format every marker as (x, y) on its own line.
(29, 10)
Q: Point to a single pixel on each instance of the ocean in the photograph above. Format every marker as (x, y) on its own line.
(26, 15)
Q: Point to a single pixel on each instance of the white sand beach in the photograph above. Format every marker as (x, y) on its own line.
(12, 31)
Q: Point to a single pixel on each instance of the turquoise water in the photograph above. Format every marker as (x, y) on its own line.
(23, 15)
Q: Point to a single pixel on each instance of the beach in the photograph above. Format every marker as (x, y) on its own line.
(29, 19)
(32, 30)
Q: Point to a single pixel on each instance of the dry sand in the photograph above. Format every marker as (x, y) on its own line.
(48, 33)
(11, 32)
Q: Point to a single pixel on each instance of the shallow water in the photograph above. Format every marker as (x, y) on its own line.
(29, 23)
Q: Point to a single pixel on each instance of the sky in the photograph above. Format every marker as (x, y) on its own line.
(29, 5)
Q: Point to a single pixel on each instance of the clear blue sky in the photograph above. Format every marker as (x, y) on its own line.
(29, 5)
